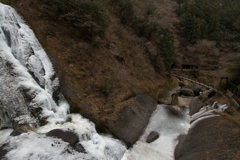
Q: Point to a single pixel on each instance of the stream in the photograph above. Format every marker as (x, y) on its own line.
(26, 71)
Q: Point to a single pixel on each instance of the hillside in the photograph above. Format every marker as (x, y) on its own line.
(103, 55)
(108, 51)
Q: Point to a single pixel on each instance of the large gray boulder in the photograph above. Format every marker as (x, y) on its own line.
(133, 118)
(211, 138)
(195, 105)
(186, 91)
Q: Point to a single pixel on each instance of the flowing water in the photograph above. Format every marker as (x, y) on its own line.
(28, 84)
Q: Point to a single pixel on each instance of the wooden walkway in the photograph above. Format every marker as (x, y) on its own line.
(204, 85)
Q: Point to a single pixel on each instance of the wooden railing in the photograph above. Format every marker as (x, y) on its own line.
(194, 81)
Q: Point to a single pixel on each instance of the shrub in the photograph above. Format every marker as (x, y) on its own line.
(50, 31)
(107, 85)
(89, 16)
(150, 10)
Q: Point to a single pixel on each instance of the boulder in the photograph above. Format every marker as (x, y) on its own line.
(16, 133)
(152, 137)
(132, 119)
(78, 147)
(211, 94)
(18, 126)
(211, 138)
(197, 90)
(195, 105)
(186, 91)
(175, 110)
(181, 84)
(66, 136)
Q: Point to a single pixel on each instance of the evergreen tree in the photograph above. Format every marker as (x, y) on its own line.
(167, 48)
(215, 29)
(192, 29)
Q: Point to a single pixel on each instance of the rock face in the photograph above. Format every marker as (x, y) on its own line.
(152, 137)
(186, 91)
(134, 117)
(195, 105)
(212, 138)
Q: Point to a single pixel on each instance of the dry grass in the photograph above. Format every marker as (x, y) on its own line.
(82, 66)
(164, 12)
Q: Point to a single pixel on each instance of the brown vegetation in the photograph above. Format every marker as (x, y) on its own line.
(103, 70)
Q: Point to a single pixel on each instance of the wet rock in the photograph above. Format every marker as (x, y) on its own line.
(33, 106)
(132, 119)
(66, 136)
(215, 106)
(181, 138)
(186, 91)
(211, 94)
(78, 147)
(195, 105)
(175, 110)
(3, 152)
(197, 90)
(36, 69)
(181, 84)
(152, 137)
(16, 133)
(7, 35)
(22, 127)
(211, 138)
(56, 91)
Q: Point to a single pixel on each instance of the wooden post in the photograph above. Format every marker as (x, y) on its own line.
(220, 83)
(226, 86)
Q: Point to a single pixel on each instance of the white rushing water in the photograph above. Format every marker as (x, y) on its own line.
(26, 71)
